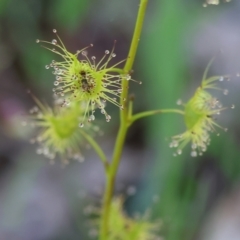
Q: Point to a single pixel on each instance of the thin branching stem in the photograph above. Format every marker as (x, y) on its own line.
(97, 149)
(140, 115)
(113, 167)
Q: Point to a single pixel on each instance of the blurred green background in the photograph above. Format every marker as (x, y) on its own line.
(195, 198)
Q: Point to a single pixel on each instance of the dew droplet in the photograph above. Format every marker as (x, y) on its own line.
(81, 159)
(194, 154)
(128, 77)
(113, 54)
(54, 30)
(179, 102)
(221, 78)
(54, 41)
(108, 118)
(81, 125)
(214, 2)
(175, 143)
(56, 83)
(84, 53)
(93, 58)
(204, 148)
(107, 52)
(225, 91)
(205, 5)
(37, 40)
(47, 66)
(179, 151)
(46, 151)
(39, 151)
(233, 106)
(194, 146)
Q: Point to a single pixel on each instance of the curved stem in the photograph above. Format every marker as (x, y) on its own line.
(113, 167)
(132, 53)
(117, 70)
(110, 181)
(97, 149)
(137, 116)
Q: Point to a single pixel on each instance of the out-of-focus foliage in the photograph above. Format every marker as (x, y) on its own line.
(123, 227)
(187, 187)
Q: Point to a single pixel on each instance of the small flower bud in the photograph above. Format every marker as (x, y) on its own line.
(86, 81)
(198, 117)
(58, 131)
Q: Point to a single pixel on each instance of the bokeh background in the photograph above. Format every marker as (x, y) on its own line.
(195, 198)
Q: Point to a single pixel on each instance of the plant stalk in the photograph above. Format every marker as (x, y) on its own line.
(113, 167)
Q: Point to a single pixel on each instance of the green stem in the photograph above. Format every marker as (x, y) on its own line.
(97, 149)
(153, 112)
(113, 167)
(117, 70)
(132, 53)
(110, 181)
(130, 109)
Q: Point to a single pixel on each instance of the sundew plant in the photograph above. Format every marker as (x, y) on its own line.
(84, 85)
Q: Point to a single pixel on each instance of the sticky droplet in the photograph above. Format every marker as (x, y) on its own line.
(54, 41)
